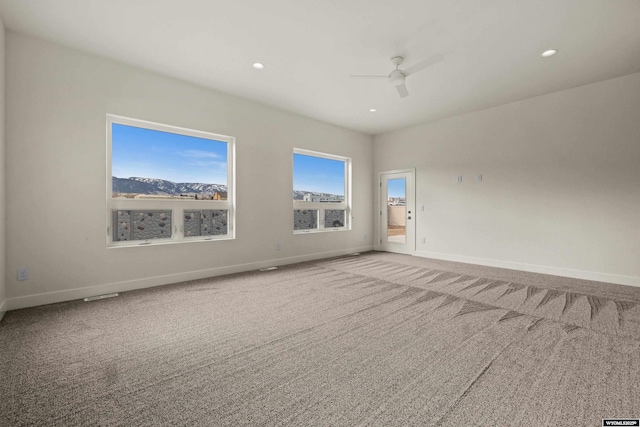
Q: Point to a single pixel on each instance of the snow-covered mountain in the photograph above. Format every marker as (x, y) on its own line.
(136, 185)
(155, 186)
(299, 195)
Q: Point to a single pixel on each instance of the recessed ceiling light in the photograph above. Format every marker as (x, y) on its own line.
(548, 53)
(372, 110)
(258, 66)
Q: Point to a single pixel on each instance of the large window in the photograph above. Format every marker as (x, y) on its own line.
(167, 184)
(321, 192)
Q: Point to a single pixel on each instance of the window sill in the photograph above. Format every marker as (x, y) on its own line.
(324, 230)
(138, 244)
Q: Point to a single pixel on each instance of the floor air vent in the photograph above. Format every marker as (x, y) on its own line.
(97, 297)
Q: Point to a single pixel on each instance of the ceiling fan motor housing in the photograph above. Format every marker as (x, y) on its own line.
(396, 78)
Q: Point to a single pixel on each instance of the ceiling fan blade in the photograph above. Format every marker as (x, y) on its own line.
(422, 65)
(402, 90)
(361, 76)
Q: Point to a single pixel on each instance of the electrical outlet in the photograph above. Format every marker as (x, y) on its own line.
(459, 178)
(364, 237)
(23, 274)
(277, 246)
(424, 240)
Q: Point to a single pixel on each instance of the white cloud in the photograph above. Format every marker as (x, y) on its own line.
(199, 154)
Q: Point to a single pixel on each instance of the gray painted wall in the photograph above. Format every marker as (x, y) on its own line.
(3, 273)
(57, 101)
(560, 189)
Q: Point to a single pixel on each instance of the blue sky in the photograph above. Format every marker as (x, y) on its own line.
(396, 187)
(179, 158)
(312, 173)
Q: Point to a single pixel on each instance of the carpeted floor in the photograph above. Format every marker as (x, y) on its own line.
(374, 340)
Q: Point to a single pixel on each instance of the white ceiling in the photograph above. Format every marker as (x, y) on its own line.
(491, 48)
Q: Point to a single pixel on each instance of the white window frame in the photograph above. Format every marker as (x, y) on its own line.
(322, 206)
(176, 206)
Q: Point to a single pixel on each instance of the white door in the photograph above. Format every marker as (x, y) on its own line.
(397, 212)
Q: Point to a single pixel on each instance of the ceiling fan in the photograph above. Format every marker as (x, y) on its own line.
(397, 77)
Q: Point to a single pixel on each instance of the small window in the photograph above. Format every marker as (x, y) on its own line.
(167, 184)
(205, 223)
(321, 188)
(334, 218)
(141, 225)
(305, 219)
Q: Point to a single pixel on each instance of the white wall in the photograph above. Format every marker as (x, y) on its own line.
(2, 179)
(561, 183)
(57, 99)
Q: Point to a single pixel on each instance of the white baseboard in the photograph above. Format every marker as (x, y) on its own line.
(3, 308)
(147, 282)
(556, 271)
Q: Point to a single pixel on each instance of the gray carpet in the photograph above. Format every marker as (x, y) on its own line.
(374, 340)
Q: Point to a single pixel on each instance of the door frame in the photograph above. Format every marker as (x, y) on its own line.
(411, 194)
